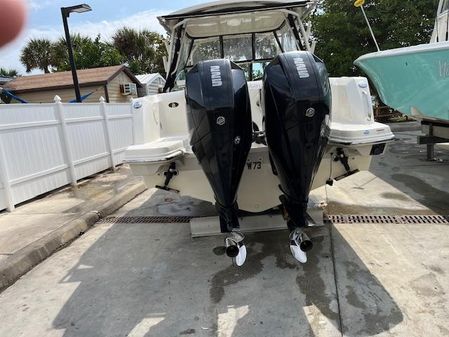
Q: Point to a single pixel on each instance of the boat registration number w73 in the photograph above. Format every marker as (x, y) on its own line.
(254, 165)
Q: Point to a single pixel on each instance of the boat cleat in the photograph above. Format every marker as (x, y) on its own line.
(300, 244)
(235, 248)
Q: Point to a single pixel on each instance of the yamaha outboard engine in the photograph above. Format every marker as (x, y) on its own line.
(219, 119)
(297, 99)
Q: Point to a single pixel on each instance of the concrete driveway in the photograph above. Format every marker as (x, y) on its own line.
(140, 279)
(136, 279)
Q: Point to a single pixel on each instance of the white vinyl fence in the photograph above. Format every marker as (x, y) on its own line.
(46, 146)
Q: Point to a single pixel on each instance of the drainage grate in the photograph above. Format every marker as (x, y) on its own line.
(388, 219)
(336, 219)
(147, 219)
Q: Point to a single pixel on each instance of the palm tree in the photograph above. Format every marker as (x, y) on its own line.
(80, 45)
(38, 54)
(9, 72)
(144, 50)
(87, 52)
(127, 41)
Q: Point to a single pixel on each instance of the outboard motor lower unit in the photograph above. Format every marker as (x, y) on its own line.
(297, 99)
(219, 119)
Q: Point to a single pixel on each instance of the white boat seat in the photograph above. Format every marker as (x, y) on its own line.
(158, 150)
(352, 134)
(352, 119)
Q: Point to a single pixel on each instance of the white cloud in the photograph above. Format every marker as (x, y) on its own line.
(39, 4)
(10, 55)
(142, 20)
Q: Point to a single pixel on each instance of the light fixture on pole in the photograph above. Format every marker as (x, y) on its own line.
(65, 12)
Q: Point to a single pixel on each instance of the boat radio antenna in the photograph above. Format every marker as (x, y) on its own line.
(360, 3)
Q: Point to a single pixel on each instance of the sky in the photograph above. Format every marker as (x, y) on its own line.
(44, 21)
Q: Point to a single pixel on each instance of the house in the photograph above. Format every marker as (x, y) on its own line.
(151, 84)
(115, 84)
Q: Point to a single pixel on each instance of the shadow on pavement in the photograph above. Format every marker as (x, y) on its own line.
(404, 166)
(154, 280)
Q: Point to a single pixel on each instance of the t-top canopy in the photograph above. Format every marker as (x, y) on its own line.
(227, 7)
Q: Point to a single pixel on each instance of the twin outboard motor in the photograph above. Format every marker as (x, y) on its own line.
(297, 99)
(220, 125)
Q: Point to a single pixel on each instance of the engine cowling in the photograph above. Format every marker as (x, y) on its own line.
(297, 101)
(219, 120)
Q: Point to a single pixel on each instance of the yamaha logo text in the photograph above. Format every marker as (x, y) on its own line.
(301, 67)
(216, 76)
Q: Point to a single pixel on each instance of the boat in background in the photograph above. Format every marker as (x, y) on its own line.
(415, 80)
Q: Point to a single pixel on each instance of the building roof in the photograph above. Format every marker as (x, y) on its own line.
(63, 80)
(148, 78)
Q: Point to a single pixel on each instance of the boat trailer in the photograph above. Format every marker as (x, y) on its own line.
(435, 133)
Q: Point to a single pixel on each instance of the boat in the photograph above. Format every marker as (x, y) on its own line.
(249, 119)
(415, 80)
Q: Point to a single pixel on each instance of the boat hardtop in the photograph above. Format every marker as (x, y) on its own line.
(226, 7)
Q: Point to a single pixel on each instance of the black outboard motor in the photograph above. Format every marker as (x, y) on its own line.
(297, 100)
(219, 119)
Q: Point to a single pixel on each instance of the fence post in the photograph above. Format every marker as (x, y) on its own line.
(133, 124)
(65, 140)
(134, 121)
(107, 131)
(4, 178)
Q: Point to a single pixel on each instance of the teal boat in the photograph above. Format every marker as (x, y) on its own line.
(414, 80)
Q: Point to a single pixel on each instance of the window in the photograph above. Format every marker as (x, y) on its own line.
(204, 49)
(286, 38)
(266, 46)
(258, 69)
(238, 47)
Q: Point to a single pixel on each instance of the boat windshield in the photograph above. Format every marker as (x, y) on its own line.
(252, 51)
(250, 34)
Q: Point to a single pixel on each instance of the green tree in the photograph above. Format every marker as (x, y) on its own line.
(342, 34)
(143, 50)
(87, 52)
(38, 54)
(9, 72)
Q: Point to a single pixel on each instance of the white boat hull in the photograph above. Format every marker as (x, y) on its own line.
(258, 190)
(162, 138)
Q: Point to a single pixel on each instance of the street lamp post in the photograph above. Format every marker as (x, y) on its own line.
(65, 12)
